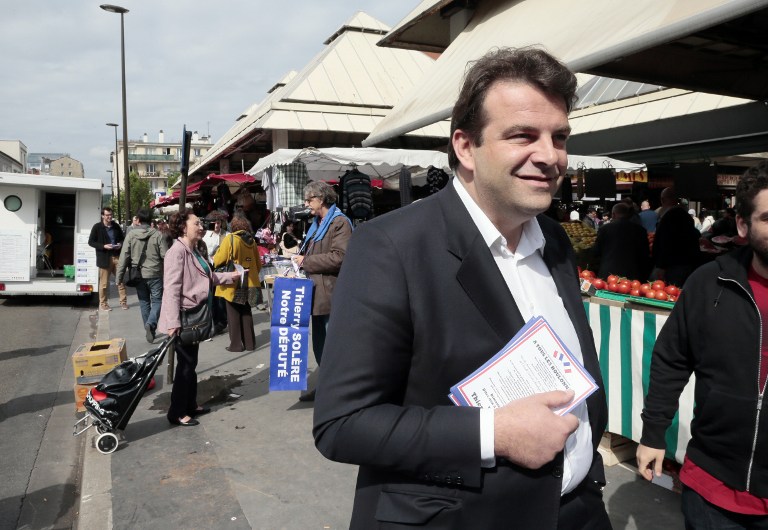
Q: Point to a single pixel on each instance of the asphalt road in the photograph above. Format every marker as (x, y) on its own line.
(39, 457)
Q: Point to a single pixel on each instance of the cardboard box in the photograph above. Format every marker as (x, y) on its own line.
(80, 392)
(98, 358)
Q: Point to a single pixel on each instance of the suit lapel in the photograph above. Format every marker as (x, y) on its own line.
(478, 274)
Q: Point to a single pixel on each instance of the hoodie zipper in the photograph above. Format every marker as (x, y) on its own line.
(761, 391)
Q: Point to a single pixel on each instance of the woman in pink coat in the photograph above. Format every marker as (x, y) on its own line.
(187, 282)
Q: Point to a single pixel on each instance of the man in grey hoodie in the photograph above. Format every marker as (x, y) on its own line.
(145, 247)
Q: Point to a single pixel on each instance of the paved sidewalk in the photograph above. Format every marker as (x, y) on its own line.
(252, 462)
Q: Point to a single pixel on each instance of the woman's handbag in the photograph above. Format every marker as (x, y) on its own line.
(196, 324)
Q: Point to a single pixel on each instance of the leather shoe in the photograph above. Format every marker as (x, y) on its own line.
(231, 350)
(307, 395)
(201, 411)
(189, 423)
(149, 333)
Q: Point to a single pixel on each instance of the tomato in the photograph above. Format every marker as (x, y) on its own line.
(635, 292)
(612, 279)
(658, 285)
(587, 274)
(644, 288)
(650, 293)
(599, 284)
(672, 290)
(626, 282)
(636, 284)
(613, 287)
(661, 295)
(623, 288)
(672, 298)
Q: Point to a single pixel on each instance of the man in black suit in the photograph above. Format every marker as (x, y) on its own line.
(430, 292)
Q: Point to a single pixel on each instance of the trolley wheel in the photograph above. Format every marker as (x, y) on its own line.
(106, 443)
(101, 429)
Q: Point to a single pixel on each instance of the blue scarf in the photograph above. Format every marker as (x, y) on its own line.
(318, 230)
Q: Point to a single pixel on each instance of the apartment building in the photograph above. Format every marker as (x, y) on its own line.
(155, 161)
(66, 166)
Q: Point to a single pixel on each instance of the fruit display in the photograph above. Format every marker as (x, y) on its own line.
(582, 239)
(656, 290)
(582, 236)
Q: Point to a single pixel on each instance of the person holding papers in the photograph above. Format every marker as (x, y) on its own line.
(431, 292)
(240, 247)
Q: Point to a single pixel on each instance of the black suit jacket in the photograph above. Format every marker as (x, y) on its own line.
(419, 305)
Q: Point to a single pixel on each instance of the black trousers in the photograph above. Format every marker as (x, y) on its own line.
(583, 509)
(184, 393)
(241, 333)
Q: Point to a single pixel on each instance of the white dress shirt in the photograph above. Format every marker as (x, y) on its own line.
(533, 288)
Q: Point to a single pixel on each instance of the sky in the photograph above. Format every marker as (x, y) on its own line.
(188, 62)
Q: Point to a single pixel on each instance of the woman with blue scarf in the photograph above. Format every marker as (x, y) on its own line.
(320, 256)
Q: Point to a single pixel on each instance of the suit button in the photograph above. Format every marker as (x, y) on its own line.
(448, 480)
(427, 477)
(557, 471)
(459, 481)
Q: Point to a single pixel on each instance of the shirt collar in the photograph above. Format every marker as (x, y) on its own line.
(531, 240)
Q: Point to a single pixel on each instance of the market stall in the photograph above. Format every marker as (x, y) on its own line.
(624, 336)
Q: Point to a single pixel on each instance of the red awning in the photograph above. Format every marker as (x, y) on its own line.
(210, 181)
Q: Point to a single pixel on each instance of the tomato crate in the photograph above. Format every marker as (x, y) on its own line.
(609, 295)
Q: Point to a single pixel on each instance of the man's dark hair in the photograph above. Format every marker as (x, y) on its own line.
(105, 210)
(752, 182)
(144, 216)
(530, 66)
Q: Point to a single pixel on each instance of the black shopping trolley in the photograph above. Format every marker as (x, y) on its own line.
(111, 403)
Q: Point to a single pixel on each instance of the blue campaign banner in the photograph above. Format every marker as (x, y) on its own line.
(289, 346)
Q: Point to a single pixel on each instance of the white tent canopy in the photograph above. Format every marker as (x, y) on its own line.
(331, 163)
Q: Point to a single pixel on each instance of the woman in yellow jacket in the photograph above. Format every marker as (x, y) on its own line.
(241, 247)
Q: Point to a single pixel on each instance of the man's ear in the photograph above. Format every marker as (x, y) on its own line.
(463, 147)
(741, 226)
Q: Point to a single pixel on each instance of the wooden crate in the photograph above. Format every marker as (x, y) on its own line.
(615, 449)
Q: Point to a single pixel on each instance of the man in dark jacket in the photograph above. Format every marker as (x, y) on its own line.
(715, 331)
(622, 246)
(144, 246)
(107, 238)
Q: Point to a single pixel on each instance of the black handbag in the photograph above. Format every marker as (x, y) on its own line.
(132, 275)
(229, 266)
(196, 324)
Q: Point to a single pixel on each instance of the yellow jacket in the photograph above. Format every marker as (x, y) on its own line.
(244, 251)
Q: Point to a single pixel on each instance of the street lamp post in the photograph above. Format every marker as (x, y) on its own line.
(117, 171)
(121, 10)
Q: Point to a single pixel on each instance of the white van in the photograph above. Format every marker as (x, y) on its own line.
(45, 222)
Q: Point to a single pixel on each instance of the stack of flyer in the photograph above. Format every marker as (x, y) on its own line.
(533, 362)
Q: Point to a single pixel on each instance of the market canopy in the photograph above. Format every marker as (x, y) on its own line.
(331, 163)
(703, 45)
(233, 180)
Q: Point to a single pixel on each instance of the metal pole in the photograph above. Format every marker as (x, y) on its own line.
(126, 170)
(117, 171)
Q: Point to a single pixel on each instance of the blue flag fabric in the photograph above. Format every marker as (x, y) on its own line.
(289, 347)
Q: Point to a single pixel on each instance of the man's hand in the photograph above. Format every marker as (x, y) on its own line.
(649, 461)
(528, 433)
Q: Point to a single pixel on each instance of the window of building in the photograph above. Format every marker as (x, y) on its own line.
(150, 168)
(166, 150)
(197, 151)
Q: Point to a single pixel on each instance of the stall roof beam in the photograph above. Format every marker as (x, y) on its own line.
(694, 44)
